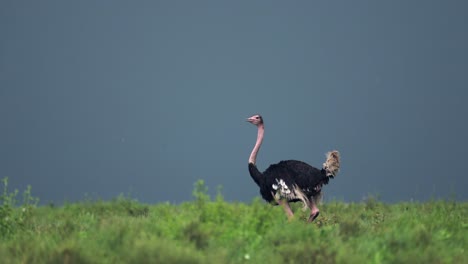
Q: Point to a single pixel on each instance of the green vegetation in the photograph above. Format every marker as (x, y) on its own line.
(209, 230)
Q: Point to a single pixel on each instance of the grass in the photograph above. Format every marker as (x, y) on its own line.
(215, 231)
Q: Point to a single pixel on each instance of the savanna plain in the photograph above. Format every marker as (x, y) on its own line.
(212, 230)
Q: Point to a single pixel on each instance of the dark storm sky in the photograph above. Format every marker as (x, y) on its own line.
(109, 97)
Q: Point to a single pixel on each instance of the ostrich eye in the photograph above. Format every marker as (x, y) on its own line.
(257, 117)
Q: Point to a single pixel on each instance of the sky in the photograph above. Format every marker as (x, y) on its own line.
(144, 98)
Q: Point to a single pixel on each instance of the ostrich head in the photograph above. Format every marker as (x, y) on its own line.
(255, 119)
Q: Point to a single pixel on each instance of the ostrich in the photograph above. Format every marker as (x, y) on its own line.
(291, 180)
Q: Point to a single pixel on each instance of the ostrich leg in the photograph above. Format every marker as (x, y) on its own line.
(314, 211)
(287, 208)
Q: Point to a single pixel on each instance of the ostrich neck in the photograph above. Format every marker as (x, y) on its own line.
(253, 155)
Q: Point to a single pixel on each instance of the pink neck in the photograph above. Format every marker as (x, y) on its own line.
(253, 155)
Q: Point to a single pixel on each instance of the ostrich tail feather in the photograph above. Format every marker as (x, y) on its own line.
(332, 163)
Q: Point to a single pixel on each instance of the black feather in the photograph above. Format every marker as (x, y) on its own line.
(256, 174)
(293, 173)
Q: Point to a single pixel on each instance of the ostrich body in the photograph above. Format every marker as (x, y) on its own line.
(291, 180)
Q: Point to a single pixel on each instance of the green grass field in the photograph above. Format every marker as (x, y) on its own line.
(215, 231)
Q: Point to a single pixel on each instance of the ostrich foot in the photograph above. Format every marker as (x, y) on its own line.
(313, 216)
